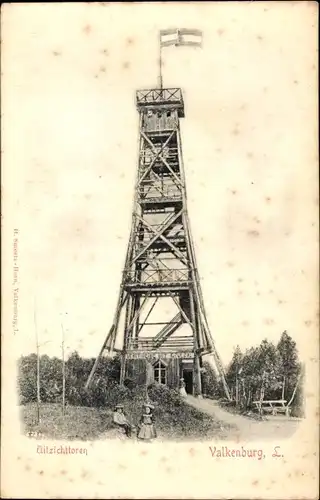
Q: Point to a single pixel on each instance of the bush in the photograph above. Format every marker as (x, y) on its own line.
(174, 417)
(130, 383)
(77, 370)
(163, 395)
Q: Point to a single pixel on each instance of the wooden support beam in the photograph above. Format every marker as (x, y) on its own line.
(165, 225)
(123, 297)
(180, 183)
(181, 310)
(175, 250)
(93, 369)
(136, 315)
(158, 234)
(150, 311)
(168, 325)
(157, 153)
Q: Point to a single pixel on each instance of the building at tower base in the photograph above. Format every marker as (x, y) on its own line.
(162, 370)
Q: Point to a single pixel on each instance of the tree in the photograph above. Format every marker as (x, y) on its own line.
(250, 377)
(77, 370)
(297, 398)
(256, 372)
(289, 364)
(234, 366)
(269, 372)
(27, 378)
(211, 384)
(234, 370)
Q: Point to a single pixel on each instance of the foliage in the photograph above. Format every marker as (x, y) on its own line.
(266, 371)
(298, 403)
(289, 363)
(27, 378)
(103, 391)
(212, 386)
(177, 419)
(174, 419)
(235, 365)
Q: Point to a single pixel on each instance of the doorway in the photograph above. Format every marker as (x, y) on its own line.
(188, 378)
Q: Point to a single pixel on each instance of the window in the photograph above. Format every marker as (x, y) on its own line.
(160, 372)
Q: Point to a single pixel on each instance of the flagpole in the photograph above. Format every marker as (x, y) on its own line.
(160, 62)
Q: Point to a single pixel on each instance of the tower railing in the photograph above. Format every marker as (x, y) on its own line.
(159, 95)
(169, 152)
(172, 234)
(149, 344)
(170, 97)
(159, 193)
(157, 276)
(176, 238)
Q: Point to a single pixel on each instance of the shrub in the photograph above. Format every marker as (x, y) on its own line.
(176, 418)
(130, 383)
(163, 395)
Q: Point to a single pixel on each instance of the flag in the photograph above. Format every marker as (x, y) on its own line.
(180, 37)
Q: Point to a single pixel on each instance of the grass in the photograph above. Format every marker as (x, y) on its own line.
(175, 419)
(77, 423)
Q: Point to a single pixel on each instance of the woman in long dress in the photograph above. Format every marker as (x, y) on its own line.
(147, 430)
(183, 391)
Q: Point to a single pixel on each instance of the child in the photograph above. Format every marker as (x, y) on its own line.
(121, 420)
(147, 430)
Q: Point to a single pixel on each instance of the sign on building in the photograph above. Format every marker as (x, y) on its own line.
(159, 355)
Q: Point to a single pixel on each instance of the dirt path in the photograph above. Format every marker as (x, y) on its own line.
(246, 429)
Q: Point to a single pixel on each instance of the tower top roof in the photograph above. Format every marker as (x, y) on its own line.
(167, 98)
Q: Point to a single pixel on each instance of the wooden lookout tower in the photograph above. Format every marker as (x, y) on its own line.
(160, 328)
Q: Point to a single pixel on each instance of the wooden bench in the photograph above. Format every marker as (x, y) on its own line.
(273, 407)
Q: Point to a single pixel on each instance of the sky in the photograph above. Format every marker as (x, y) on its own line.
(70, 142)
